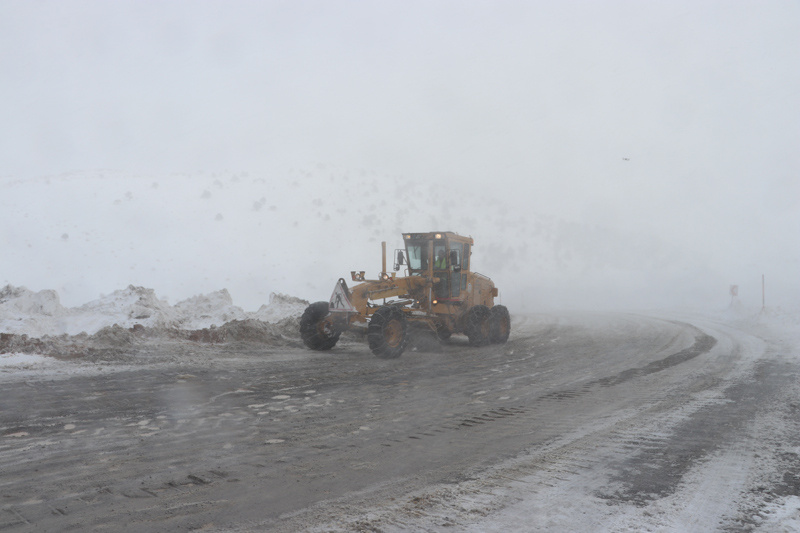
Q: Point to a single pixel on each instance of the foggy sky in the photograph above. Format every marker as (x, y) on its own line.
(671, 122)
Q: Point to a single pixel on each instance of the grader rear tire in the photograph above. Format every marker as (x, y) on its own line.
(387, 332)
(317, 332)
(477, 327)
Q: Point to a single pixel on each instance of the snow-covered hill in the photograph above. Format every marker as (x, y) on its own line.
(296, 231)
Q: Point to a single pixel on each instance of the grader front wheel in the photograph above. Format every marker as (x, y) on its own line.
(316, 328)
(387, 332)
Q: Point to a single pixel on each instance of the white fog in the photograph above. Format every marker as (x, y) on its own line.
(184, 182)
(602, 154)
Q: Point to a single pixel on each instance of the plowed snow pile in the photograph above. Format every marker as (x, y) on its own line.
(36, 322)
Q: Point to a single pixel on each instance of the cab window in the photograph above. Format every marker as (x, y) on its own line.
(418, 256)
(455, 254)
(439, 256)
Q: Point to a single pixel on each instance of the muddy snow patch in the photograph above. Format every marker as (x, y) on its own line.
(35, 367)
(250, 330)
(782, 515)
(26, 361)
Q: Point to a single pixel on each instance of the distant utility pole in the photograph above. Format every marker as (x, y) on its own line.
(763, 294)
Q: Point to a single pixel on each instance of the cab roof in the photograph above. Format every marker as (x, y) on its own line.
(437, 235)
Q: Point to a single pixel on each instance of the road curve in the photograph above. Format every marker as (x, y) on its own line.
(585, 418)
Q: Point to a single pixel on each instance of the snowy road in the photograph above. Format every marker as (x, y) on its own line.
(581, 422)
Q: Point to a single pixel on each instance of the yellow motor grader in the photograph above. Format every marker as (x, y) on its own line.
(438, 291)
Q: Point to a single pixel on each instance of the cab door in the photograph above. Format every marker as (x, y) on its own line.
(447, 268)
(441, 288)
(455, 255)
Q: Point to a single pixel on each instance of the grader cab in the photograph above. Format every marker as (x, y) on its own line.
(438, 291)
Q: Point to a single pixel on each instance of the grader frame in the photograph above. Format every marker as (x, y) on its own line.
(439, 291)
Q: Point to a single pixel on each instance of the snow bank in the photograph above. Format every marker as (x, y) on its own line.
(774, 322)
(36, 314)
(24, 301)
(134, 305)
(33, 313)
(280, 306)
(206, 310)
